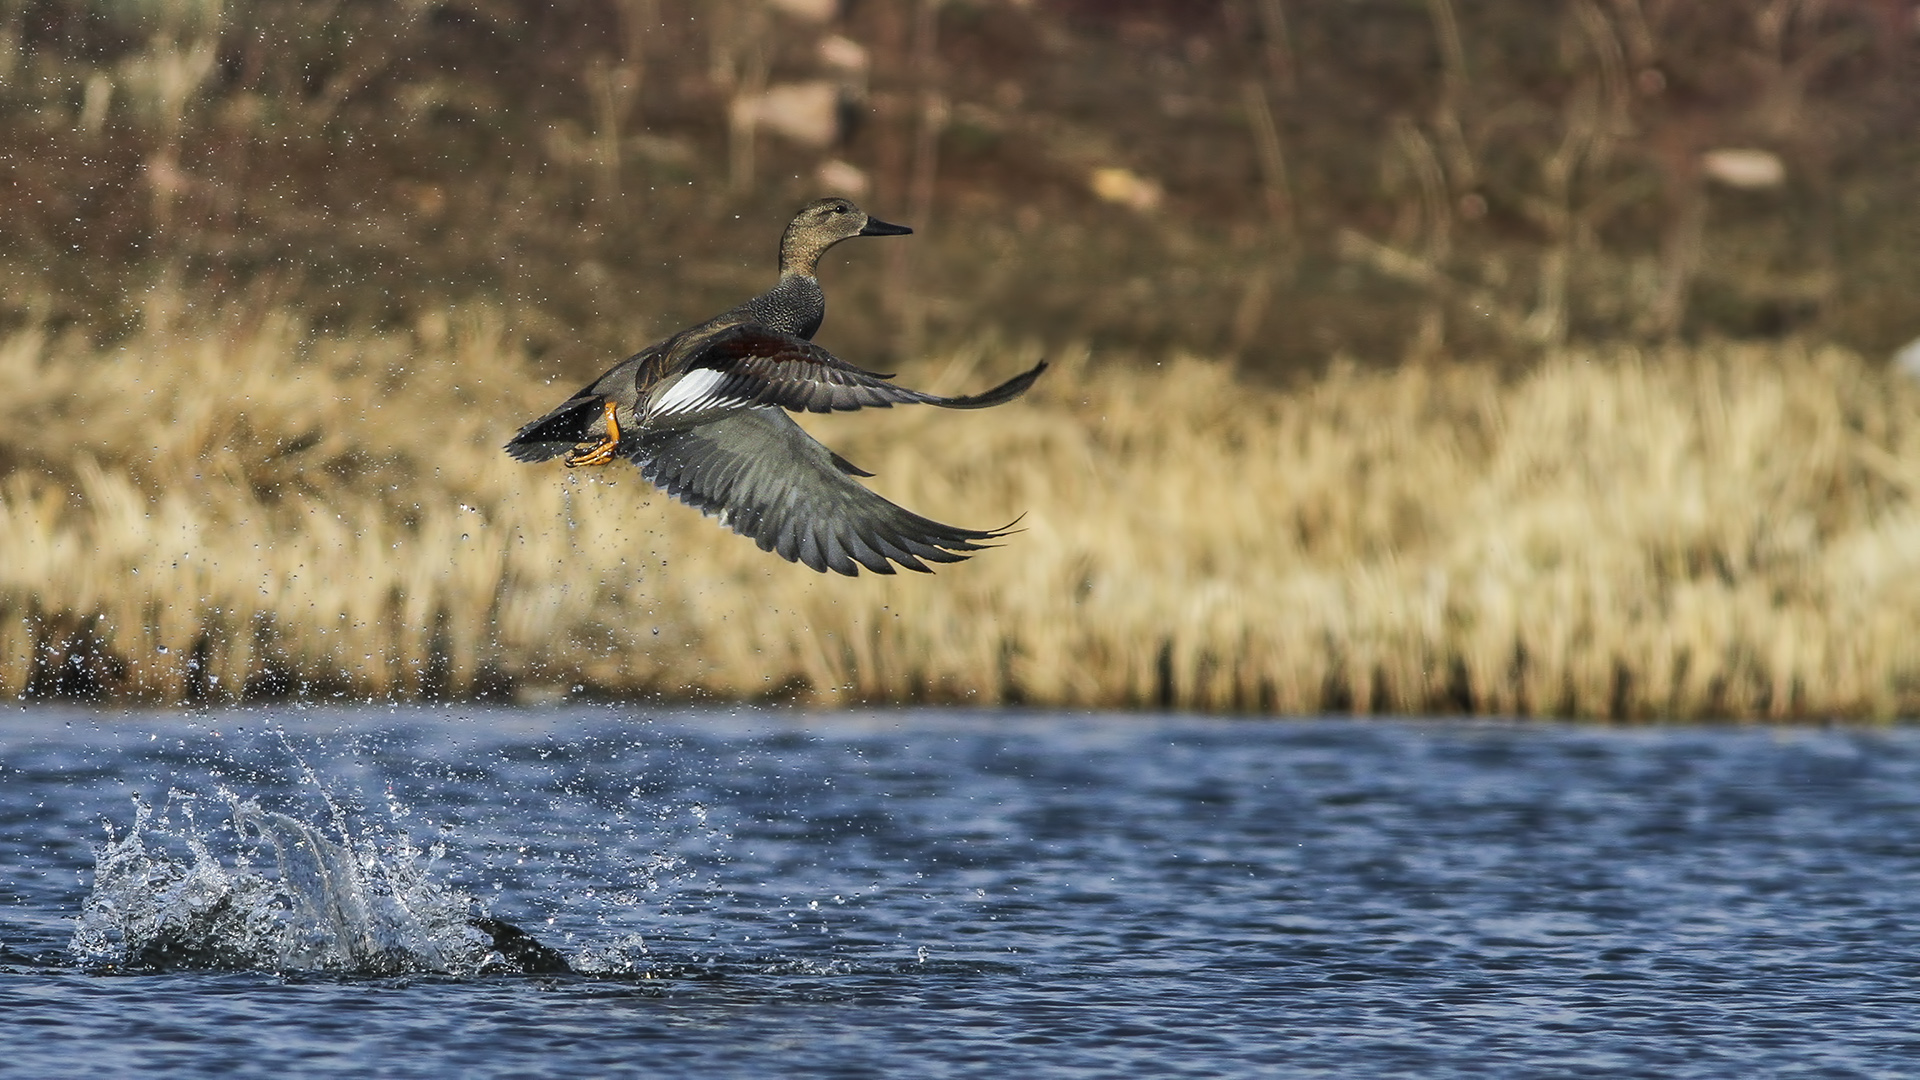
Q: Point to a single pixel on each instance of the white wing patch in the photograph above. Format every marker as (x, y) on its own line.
(696, 391)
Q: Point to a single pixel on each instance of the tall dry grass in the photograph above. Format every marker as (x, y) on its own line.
(1727, 531)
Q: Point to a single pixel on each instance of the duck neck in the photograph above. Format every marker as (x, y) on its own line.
(800, 252)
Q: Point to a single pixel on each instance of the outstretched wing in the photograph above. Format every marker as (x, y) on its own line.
(767, 479)
(755, 365)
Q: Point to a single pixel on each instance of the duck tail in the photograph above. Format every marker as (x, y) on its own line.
(556, 433)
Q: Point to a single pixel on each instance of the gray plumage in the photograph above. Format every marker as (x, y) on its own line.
(702, 414)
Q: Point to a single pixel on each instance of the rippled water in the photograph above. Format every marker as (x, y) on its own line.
(295, 892)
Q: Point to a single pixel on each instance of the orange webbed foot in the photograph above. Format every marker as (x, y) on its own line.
(601, 452)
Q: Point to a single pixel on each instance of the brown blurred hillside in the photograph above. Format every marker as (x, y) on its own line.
(1270, 180)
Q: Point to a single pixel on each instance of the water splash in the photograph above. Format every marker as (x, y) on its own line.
(292, 896)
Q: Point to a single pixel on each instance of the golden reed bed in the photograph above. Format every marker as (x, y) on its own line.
(1727, 531)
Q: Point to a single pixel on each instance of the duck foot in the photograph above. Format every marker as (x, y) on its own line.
(601, 452)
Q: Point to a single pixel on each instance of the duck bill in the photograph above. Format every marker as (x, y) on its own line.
(876, 227)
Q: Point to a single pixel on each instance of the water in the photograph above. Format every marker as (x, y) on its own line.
(289, 892)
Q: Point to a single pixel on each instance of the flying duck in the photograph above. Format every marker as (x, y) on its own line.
(702, 414)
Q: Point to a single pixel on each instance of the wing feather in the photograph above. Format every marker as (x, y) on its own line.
(760, 366)
(769, 480)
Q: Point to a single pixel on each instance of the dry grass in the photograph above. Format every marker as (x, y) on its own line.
(1724, 532)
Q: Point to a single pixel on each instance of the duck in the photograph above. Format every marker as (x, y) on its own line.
(704, 414)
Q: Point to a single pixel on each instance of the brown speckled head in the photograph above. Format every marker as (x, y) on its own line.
(821, 224)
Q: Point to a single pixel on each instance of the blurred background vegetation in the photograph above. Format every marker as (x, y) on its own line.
(1410, 356)
(1267, 180)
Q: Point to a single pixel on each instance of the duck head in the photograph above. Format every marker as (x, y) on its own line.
(823, 223)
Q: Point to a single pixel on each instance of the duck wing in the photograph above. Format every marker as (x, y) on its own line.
(755, 365)
(767, 479)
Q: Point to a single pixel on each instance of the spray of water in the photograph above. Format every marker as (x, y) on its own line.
(291, 896)
(222, 881)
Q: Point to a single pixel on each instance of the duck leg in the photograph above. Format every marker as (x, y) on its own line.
(601, 452)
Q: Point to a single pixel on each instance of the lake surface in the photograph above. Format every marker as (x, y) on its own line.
(298, 892)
